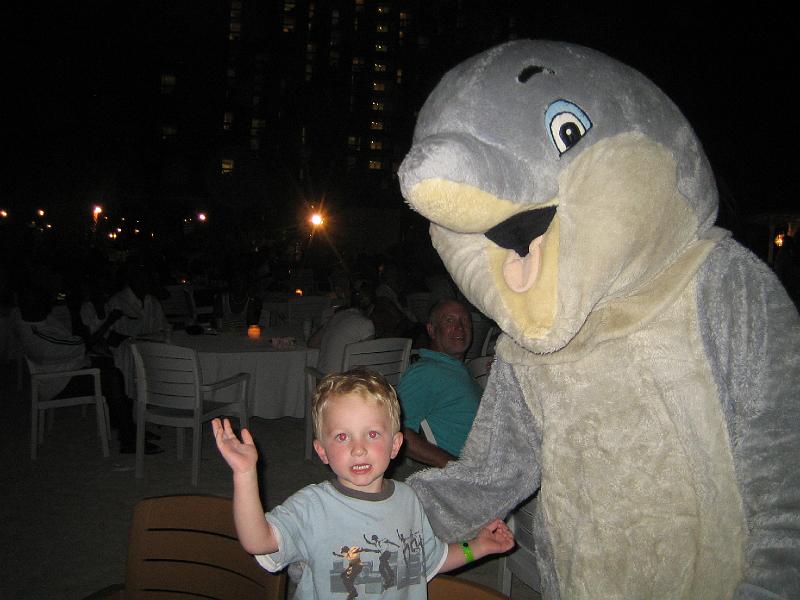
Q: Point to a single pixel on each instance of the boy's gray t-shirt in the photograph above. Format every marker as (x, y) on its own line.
(376, 545)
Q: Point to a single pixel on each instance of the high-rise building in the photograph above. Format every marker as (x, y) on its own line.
(291, 101)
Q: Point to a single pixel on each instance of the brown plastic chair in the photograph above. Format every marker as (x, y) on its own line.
(447, 587)
(186, 547)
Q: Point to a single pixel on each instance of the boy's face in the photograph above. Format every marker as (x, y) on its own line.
(357, 442)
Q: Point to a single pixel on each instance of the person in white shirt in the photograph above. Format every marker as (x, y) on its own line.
(142, 314)
(48, 344)
(346, 326)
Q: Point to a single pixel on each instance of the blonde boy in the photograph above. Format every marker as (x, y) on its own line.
(359, 534)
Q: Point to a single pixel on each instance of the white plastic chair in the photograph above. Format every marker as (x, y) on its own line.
(522, 561)
(479, 368)
(169, 391)
(490, 340)
(480, 326)
(387, 356)
(178, 306)
(201, 303)
(39, 404)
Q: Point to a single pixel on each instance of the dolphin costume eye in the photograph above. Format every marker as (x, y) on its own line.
(567, 123)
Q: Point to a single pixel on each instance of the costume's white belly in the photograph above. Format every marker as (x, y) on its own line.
(638, 488)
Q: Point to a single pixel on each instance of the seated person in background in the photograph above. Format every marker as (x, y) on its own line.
(91, 318)
(341, 526)
(346, 326)
(142, 314)
(47, 343)
(439, 389)
(237, 306)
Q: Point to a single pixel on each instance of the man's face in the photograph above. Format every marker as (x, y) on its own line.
(451, 330)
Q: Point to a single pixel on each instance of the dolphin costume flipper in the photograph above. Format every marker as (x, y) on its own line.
(497, 468)
(761, 407)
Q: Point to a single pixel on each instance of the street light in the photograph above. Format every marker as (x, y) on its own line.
(317, 220)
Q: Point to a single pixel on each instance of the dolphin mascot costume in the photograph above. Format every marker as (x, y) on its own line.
(646, 382)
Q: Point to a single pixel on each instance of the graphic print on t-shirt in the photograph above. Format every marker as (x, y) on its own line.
(378, 564)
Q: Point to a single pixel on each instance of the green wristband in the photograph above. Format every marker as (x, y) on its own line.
(467, 552)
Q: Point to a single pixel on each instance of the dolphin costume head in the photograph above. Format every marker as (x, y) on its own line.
(556, 179)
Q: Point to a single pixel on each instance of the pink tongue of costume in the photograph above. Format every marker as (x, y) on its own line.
(521, 273)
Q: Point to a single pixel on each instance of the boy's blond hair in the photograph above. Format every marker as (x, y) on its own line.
(371, 386)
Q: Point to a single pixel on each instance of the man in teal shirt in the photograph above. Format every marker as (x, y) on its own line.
(439, 389)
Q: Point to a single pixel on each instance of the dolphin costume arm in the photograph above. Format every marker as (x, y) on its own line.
(751, 332)
(497, 468)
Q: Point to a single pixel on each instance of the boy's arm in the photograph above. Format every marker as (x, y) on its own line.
(493, 538)
(255, 534)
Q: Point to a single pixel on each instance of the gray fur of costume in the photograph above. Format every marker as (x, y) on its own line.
(646, 382)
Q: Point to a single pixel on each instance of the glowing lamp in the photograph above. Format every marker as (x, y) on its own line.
(298, 292)
(254, 332)
(317, 220)
(201, 216)
(779, 240)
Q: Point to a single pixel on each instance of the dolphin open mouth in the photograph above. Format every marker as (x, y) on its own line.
(521, 235)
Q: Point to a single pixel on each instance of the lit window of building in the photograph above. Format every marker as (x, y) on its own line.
(354, 141)
(375, 145)
(168, 132)
(375, 165)
(405, 18)
(167, 83)
(377, 105)
(381, 48)
(376, 125)
(235, 30)
(288, 6)
(227, 120)
(227, 166)
(288, 24)
(382, 28)
(399, 75)
(378, 86)
(384, 10)
(379, 67)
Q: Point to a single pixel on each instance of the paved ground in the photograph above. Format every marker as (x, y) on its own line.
(65, 516)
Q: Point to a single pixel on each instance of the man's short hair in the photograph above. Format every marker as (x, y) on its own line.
(437, 307)
(371, 386)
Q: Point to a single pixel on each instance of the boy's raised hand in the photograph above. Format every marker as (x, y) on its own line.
(241, 456)
(495, 538)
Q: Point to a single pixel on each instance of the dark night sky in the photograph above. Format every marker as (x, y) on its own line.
(728, 71)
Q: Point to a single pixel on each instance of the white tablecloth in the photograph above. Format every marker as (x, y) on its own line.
(277, 380)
